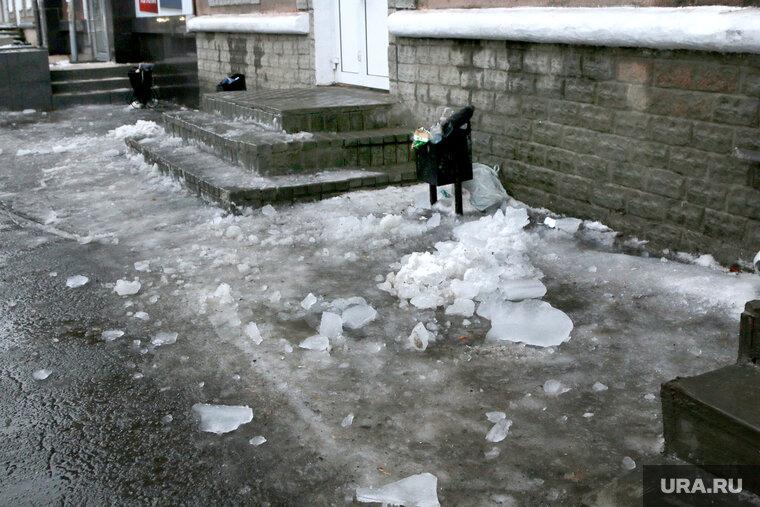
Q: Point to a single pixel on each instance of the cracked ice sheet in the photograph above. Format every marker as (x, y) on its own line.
(638, 322)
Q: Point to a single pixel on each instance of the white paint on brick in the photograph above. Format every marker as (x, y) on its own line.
(295, 24)
(709, 28)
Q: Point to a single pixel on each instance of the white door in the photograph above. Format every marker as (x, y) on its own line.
(363, 43)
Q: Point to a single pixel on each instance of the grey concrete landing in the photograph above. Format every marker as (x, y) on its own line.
(329, 109)
(272, 153)
(232, 187)
(714, 418)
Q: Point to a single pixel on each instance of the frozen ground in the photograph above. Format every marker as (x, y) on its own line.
(574, 415)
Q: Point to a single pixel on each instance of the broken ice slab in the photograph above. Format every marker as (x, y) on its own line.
(257, 441)
(532, 322)
(555, 387)
(331, 325)
(420, 337)
(414, 491)
(127, 288)
(41, 374)
(164, 338)
(110, 335)
(73, 282)
(499, 431)
(517, 290)
(348, 420)
(358, 316)
(316, 342)
(252, 331)
(222, 418)
(461, 306)
(308, 301)
(495, 417)
(568, 225)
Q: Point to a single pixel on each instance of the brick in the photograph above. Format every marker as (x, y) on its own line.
(565, 113)
(459, 97)
(693, 105)
(460, 56)
(494, 79)
(736, 111)
(611, 147)
(751, 82)
(427, 74)
(609, 196)
(439, 55)
(483, 100)
(580, 90)
(744, 202)
(725, 170)
(549, 86)
(535, 108)
(685, 214)
(596, 118)
(508, 104)
(645, 205)
(530, 153)
(614, 95)
(484, 58)
(471, 78)
(521, 83)
(541, 179)
(537, 61)
(450, 75)
(627, 174)
(597, 64)
(723, 226)
(592, 167)
(547, 133)
(634, 71)
(671, 131)
(711, 137)
(665, 183)
(575, 187)
(704, 193)
(560, 160)
(670, 74)
(632, 124)
(407, 73)
(579, 140)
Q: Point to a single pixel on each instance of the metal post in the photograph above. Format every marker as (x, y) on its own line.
(16, 9)
(72, 32)
(40, 8)
(433, 194)
(458, 197)
(3, 12)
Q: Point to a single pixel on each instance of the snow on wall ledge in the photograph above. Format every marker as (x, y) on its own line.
(295, 24)
(711, 28)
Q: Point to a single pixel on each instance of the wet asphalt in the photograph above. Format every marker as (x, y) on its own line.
(93, 434)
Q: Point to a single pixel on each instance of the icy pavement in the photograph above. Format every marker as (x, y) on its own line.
(632, 321)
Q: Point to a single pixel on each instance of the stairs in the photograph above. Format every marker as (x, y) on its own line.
(11, 34)
(107, 83)
(714, 418)
(252, 148)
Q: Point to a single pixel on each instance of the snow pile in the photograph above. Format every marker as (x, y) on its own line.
(415, 491)
(297, 24)
(221, 307)
(139, 130)
(76, 281)
(487, 263)
(222, 418)
(126, 288)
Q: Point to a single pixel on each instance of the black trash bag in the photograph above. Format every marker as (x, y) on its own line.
(234, 83)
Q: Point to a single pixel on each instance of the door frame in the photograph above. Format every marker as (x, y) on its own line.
(327, 48)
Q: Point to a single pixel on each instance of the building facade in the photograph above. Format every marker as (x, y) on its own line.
(646, 119)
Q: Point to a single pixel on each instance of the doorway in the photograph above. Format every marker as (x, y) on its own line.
(362, 43)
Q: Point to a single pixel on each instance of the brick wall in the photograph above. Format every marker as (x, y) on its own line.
(639, 139)
(269, 61)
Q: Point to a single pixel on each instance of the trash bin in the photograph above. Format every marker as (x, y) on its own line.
(234, 83)
(449, 160)
(141, 80)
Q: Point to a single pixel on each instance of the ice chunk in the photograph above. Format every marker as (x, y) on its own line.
(308, 301)
(568, 225)
(358, 316)
(257, 441)
(164, 338)
(420, 337)
(495, 417)
(516, 290)
(41, 374)
(139, 130)
(532, 322)
(628, 463)
(499, 431)
(110, 335)
(492, 453)
(316, 342)
(76, 281)
(222, 418)
(598, 387)
(434, 220)
(268, 211)
(461, 306)
(127, 288)
(142, 265)
(414, 491)
(331, 325)
(555, 387)
(142, 316)
(167, 418)
(348, 420)
(252, 330)
(588, 415)
(233, 231)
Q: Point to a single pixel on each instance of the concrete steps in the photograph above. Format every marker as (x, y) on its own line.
(232, 187)
(321, 109)
(270, 153)
(108, 83)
